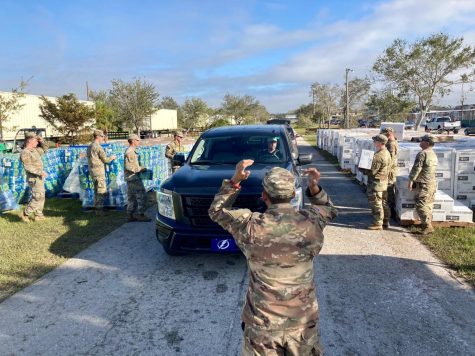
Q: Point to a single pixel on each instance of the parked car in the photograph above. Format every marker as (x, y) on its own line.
(469, 131)
(182, 222)
(409, 125)
(441, 124)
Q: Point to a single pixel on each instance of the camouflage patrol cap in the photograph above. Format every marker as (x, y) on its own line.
(380, 138)
(279, 183)
(387, 130)
(178, 134)
(133, 137)
(30, 135)
(98, 133)
(428, 138)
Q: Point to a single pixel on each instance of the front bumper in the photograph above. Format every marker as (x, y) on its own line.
(181, 237)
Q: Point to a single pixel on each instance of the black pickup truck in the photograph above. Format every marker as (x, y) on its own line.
(182, 219)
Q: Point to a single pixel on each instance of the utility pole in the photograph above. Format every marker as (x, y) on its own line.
(347, 112)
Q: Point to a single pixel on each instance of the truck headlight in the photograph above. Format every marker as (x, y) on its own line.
(297, 201)
(165, 205)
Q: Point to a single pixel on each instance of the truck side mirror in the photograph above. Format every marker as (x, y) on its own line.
(305, 158)
(178, 160)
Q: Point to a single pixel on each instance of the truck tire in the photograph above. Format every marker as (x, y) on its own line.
(456, 131)
(427, 129)
(439, 130)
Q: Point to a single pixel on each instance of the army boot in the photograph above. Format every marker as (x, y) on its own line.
(142, 218)
(131, 217)
(375, 227)
(25, 218)
(386, 224)
(427, 230)
(39, 217)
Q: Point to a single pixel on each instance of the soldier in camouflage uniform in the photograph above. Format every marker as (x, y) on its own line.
(35, 147)
(378, 184)
(96, 158)
(173, 148)
(280, 314)
(422, 180)
(136, 195)
(393, 148)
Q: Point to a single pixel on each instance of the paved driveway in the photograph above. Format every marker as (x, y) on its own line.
(379, 293)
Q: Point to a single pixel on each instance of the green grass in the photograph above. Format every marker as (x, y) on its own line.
(28, 251)
(456, 248)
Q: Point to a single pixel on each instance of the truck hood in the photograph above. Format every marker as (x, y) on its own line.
(206, 179)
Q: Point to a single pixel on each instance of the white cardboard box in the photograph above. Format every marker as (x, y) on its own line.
(465, 161)
(366, 159)
(460, 212)
(443, 201)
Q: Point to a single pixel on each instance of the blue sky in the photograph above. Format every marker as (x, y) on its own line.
(272, 50)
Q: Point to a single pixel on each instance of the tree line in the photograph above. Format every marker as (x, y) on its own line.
(406, 77)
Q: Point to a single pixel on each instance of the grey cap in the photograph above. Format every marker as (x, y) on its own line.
(387, 130)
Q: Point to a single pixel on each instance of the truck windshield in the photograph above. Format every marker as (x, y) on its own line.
(233, 148)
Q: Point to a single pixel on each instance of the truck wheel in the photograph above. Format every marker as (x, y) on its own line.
(427, 129)
(456, 131)
(439, 130)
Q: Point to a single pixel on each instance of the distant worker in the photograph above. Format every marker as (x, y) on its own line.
(136, 195)
(173, 148)
(31, 158)
(271, 153)
(377, 189)
(393, 148)
(422, 181)
(96, 158)
(280, 315)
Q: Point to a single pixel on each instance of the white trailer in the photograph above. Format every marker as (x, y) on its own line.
(29, 117)
(162, 120)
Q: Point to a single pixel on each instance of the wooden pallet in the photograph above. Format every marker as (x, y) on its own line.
(437, 223)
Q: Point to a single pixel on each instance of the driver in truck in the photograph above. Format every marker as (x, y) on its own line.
(280, 314)
(271, 152)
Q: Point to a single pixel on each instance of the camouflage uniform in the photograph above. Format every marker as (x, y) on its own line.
(31, 159)
(393, 148)
(423, 176)
(172, 149)
(136, 195)
(378, 185)
(281, 310)
(96, 158)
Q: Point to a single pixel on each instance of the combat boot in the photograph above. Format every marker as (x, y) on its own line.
(131, 217)
(39, 217)
(25, 218)
(427, 230)
(142, 218)
(375, 227)
(386, 224)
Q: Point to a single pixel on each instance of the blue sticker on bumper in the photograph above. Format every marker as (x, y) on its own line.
(223, 245)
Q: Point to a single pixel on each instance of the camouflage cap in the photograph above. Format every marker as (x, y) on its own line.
(134, 137)
(380, 138)
(30, 135)
(178, 133)
(428, 138)
(98, 133)
(279, 183)
(387, 130)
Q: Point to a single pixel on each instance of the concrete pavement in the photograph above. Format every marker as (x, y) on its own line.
(379, 293)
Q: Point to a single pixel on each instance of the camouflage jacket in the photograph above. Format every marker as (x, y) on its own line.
(280, 246)
(96, 158)
(31, 159)
(393, 148)
(423, 170)
(379, 173)
(131, 165)
(172, 149)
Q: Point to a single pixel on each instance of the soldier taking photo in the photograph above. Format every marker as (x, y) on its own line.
(281, 314)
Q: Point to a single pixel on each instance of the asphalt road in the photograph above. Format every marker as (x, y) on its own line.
(379, 293)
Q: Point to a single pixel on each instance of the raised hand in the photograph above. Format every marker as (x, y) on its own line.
(241, 174)
(313, 176)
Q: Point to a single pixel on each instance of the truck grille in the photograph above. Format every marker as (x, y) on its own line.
(196, 207)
